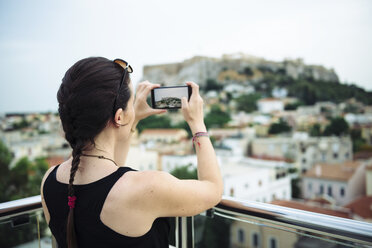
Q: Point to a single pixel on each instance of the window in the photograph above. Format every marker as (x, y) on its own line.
(321, 190)
(323, 156)
(273, 197)
(241, 237)
(309, 186)
(329, 190)
(255, 241)
(271, 147)
(231, 191)
(335, 155)
(304, 161)
(273, 243)
(347, 155)
(342, 191)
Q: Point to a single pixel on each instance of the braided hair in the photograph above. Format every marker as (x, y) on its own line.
(86, 100)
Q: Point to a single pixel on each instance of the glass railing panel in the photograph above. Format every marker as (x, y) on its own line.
(211, 232)
(229, 230)
(27, 230)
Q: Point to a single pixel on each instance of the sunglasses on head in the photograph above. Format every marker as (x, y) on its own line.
(127, 68)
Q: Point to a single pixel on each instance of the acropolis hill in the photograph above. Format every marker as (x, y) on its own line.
(235, 67)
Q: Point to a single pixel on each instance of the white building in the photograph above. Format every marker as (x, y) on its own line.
(171, 162)
(141, 159)
(268, 105)
(254, 183)
(305, 151)
(163, 135)
(29, 148)
(341, 182)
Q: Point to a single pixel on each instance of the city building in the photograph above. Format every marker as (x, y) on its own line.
(253, 182)
(304, 150)
(268, 105)
(244, 234)
(163, 135)
(140, 158)
(342, 182)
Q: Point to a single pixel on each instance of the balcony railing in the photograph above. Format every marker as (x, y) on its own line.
(232, 223)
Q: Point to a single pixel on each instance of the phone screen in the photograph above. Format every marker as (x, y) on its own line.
(169, 97)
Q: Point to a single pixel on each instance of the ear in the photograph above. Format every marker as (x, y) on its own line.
(118, 119)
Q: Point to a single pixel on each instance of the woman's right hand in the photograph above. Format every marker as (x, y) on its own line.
(193, 110)
(141, 108)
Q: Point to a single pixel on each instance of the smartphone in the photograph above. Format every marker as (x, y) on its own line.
(169, 97)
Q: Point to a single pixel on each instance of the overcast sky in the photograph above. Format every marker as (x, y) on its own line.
(40, 40)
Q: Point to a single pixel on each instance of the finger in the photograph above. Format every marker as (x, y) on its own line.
(158, 111)
(184, 103)
(194, 87)
(150, 87)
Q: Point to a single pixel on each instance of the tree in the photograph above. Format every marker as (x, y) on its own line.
(154, 121)
(22, 180)
(185, 172)
(293, 106)
(296, 189)
(25, 178)
(315, 130)
(358, 141)
(248, 71)
(338, 127)
(5, 159)
(212, 84)
(247, 103)
(184, 125)
(216, 117)
(22, 124)
(281, 127)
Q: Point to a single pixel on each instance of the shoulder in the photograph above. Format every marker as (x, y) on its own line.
(46, 212)
(46, 176)
(139, 182)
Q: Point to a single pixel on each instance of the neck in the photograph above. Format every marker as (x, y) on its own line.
(108, 146)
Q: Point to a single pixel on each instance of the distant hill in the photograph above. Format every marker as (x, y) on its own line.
(309, 83)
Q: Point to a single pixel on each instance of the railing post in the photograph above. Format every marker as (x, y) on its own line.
(184, 232)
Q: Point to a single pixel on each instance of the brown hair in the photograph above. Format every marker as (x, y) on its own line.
(86, 100)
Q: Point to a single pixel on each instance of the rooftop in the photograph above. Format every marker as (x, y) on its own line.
(316, 208)
(161, 131)
(362, 207)
(270, 100)
(339, 172)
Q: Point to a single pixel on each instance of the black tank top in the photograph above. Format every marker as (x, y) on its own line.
(90, 230)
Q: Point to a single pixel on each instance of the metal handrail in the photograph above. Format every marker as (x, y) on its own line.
(294, 218)
(337, 227)
(21, 206)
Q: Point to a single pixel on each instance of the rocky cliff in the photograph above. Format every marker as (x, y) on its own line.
(233, 67)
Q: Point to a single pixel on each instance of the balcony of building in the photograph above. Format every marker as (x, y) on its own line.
(232, 223)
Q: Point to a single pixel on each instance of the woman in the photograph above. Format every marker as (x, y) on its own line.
(93, 199)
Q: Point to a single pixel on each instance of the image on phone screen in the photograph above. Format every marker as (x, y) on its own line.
(169, 97)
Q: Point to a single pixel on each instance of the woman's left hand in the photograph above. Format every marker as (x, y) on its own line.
(141, 107)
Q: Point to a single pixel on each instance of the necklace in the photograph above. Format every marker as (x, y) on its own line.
(100, 157)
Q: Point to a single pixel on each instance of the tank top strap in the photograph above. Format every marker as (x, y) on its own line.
(104, 188)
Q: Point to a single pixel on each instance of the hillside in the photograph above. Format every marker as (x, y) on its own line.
(309, 83)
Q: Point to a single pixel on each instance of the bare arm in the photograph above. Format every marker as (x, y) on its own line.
(164, 194)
